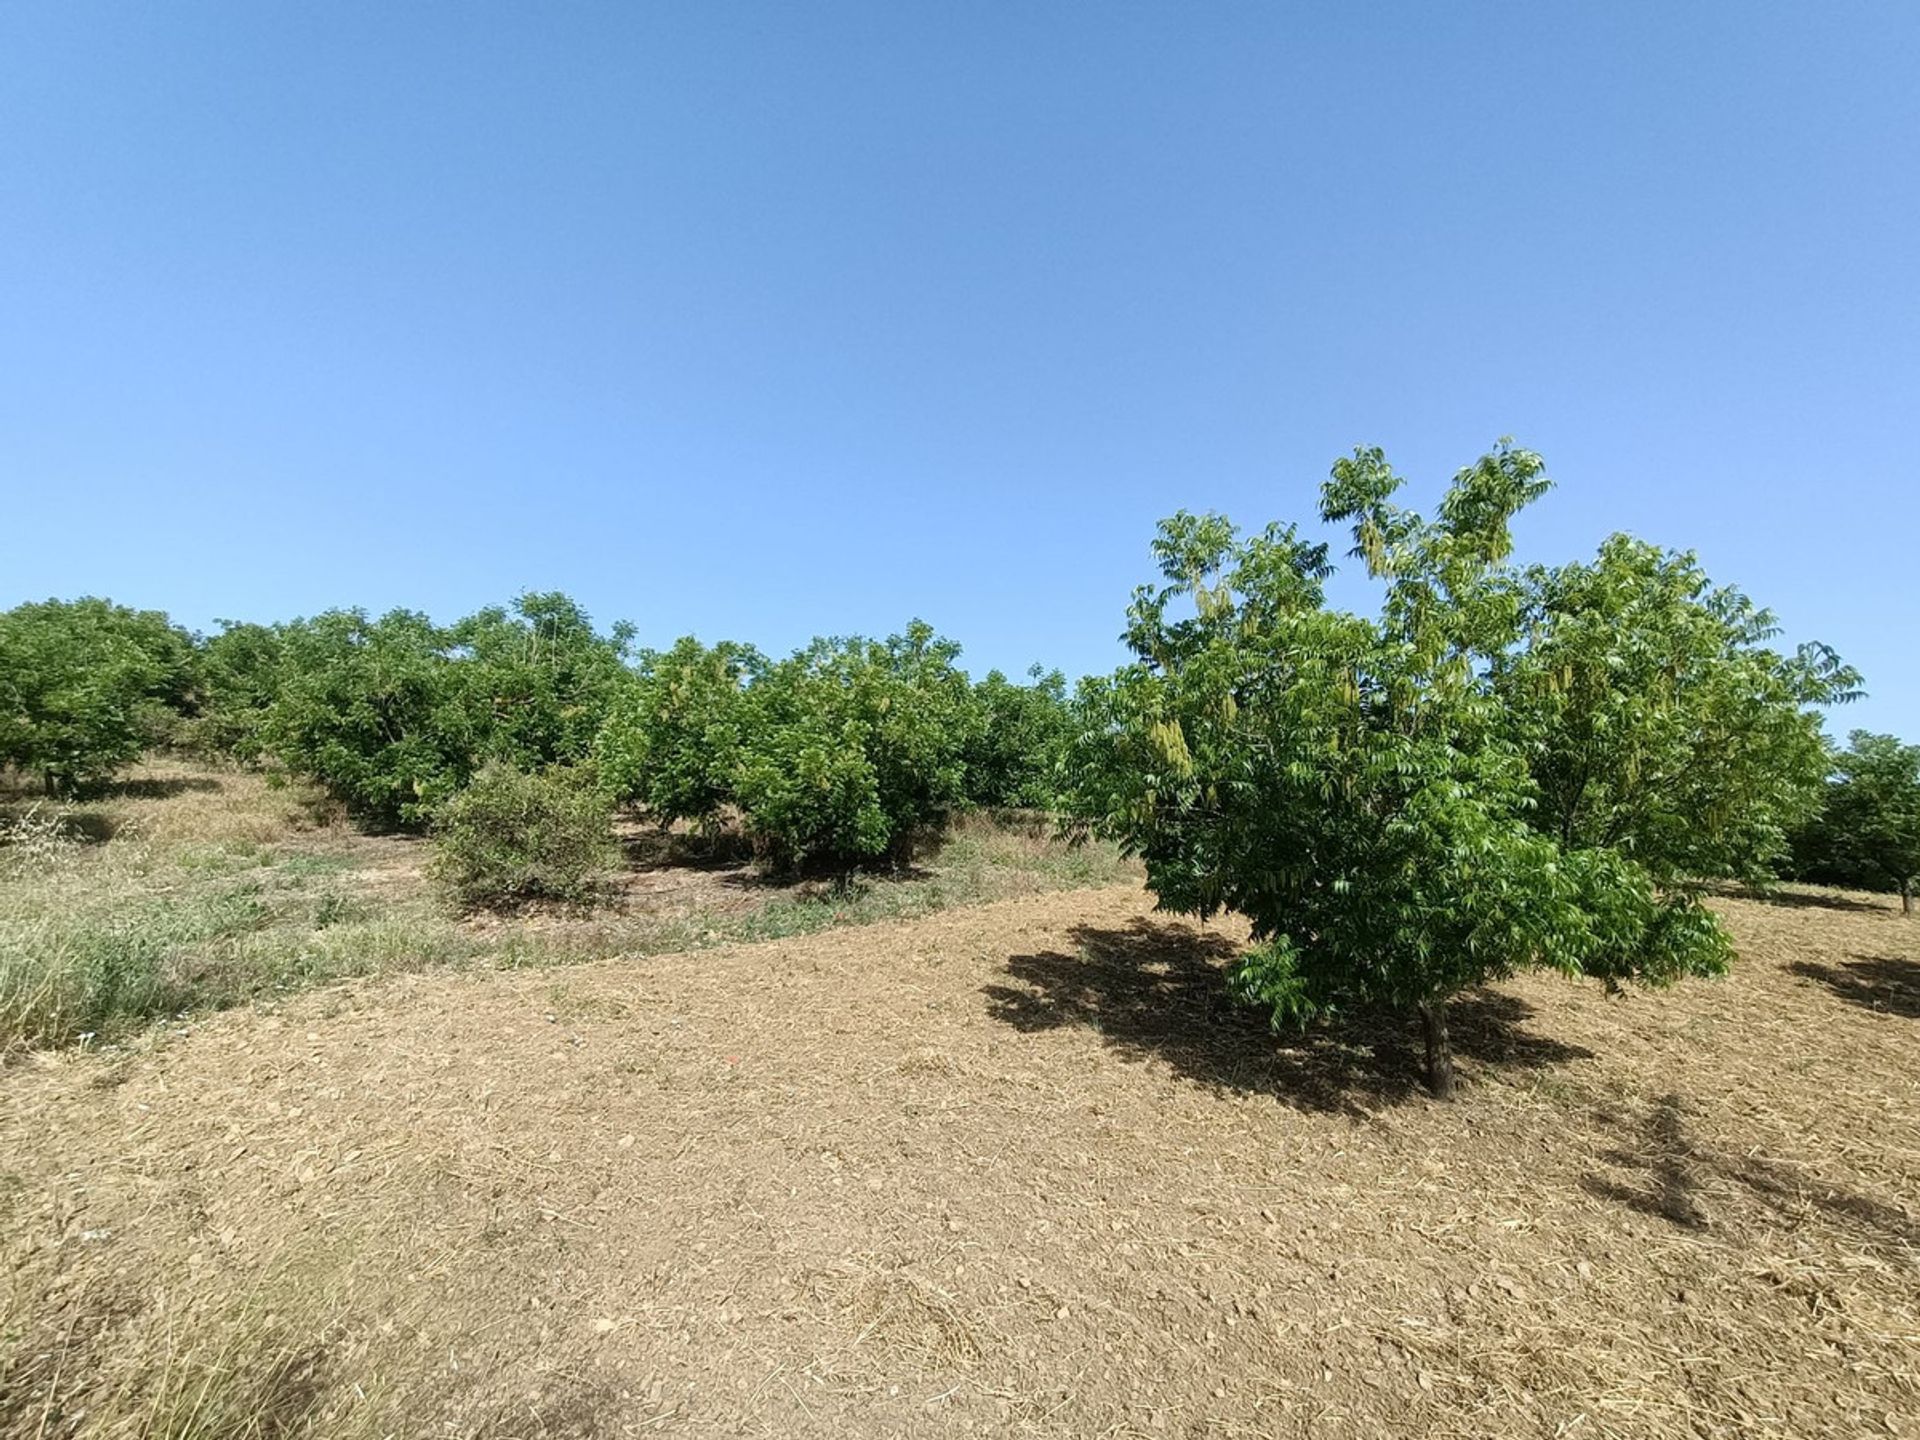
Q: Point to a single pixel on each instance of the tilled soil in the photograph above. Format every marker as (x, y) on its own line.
(1016, 1170)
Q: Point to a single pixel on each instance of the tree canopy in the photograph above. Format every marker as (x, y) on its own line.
(850, 746)
(395, 714)
(1395, 802)
(1867, 833)
(86, 685)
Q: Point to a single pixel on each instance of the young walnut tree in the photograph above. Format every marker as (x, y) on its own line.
(1504, 770)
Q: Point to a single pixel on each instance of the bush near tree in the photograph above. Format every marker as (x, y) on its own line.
(1867, 832)
(509, 838)
(1503, 770)
(86, 686)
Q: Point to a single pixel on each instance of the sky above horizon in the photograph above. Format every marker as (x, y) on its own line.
(766, 321)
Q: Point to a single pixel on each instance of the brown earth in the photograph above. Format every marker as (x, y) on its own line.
(1015, 1170)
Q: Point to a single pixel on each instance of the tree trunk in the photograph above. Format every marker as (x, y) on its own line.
(1906, 897)
(1433, 1014)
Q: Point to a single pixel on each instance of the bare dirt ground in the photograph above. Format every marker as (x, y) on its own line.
(1013, 1170)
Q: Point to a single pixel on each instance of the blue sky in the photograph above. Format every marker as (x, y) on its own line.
(768, 320)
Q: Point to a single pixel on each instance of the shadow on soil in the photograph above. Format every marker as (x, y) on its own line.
(1674, 1178)
(651, 849)
(569, 1408)
(149, 787)
(729, 855)
(1884, 983)
(1160, 990)
(1810, 900)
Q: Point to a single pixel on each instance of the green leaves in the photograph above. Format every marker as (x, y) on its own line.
(1867, 832)
(671, 737)
(394, 715)
(1505, 769)
(834, 756)
(1017, 740)
(86, 685)
(849, 746)
(1658, 721)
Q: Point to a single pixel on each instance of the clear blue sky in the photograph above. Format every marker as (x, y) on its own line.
(768, 320)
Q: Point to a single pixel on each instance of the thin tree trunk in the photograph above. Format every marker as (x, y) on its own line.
(1433, 1015)
(1906, 897)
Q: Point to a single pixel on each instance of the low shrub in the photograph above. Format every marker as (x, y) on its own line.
(511, 837)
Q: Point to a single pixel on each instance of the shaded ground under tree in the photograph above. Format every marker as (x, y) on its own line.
(1886, 983)
(1160, 989)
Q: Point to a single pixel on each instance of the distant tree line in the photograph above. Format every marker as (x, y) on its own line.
(835, 756)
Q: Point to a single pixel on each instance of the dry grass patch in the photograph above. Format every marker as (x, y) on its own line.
(182, 890)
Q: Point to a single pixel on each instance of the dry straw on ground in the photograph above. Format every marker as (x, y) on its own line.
(1012, 1170)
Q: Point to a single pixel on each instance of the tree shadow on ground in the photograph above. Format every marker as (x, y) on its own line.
(88, 827)
(569, 1406)
(728, 855)
(1883, 983)
(1669, 1163)
(1676, 1178)
(654, 849)
(1159, 990)
(1810, 900)
(152, 787)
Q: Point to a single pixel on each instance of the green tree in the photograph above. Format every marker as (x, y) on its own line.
(86, 685)
(394, 715)
(671, 739)
(850, 746)
(1868, 833)
(532, 683)
(359, 709)
(1361, 788)
(1658, 720)
(240, 673)
(1018, 741)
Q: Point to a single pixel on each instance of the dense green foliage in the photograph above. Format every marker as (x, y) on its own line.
(394, 715)
(239, 676)
(1867, 833)
(1657, 720)
(671, 738)
(1504, 770)
(1020, 742)
(851, 746)
(86, 685)
(832, 758)
(509, 837)
(835, 756)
